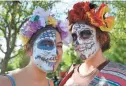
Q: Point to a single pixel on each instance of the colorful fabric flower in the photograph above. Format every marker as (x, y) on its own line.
(51, 21)
(85, 11)
(64, 30)
(41, 12)
(41, 18)
(107, 23)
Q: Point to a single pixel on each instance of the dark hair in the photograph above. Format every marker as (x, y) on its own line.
(30, 43)
(102, 36)
(103, 39)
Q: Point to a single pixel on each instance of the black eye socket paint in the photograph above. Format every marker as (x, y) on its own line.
(85, 34)
(45, 44)
(56, 51)
(74, 36)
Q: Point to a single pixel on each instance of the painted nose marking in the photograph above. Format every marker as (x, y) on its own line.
(57, 52)
(77, 42)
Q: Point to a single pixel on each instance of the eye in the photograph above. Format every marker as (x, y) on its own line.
(74, 36)
(59, 46)
(46, 44)
(85, 34)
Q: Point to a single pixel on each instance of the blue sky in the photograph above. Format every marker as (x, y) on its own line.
(64, 6)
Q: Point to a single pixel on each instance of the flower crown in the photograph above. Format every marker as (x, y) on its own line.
(85, 11)
(40, 18)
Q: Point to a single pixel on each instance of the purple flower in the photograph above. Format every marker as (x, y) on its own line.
(34, 26)
(63, 28)
(40, 19)
(28, 33)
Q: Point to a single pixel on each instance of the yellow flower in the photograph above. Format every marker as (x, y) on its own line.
(105, 23)
(24, 39)
(109, 24)
(52, 21)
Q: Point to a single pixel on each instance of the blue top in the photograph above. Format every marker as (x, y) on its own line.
(13, 81)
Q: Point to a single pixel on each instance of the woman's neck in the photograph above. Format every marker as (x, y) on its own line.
(34, 72)
(30, 76)
(96, 60)
(92, 63)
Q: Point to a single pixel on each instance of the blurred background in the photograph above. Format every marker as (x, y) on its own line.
(13, 14)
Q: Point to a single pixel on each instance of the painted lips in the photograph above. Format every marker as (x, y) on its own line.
(50, 61)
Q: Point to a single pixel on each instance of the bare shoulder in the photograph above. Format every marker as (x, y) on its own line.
(4, 81)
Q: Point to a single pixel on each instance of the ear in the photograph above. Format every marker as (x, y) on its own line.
(30, 52)
(104, 39)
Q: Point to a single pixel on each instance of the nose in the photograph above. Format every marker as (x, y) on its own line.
(56, 51)
(76, 42)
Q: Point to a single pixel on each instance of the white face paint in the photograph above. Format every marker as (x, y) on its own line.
(84, 40)
(44, 51)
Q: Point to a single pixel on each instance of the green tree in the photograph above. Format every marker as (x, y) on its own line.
(69, 58)
(118, 35)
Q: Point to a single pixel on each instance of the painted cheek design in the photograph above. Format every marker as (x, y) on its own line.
(45, 51)
(85, 44)
(49, 61)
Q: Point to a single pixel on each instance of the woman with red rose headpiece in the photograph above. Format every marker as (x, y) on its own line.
(90, 31)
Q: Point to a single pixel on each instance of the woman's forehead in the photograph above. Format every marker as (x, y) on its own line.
(81, 26)
(48, 33)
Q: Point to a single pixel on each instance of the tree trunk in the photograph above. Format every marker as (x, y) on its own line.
(4, 64)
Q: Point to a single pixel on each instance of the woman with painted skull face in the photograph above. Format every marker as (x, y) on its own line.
(43, 37)
(90, 31)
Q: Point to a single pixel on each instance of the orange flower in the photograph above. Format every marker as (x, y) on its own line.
(109, 24)
(83, 12)
(105, 23)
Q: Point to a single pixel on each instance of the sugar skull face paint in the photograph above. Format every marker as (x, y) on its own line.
(44, 51)
(84, 40)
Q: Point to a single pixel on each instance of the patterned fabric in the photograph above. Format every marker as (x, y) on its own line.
(113, 74)
(12, 80)
(74, 78)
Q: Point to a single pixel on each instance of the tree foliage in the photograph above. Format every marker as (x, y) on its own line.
(118, 35)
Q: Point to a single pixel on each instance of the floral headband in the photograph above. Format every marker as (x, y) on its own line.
(41, 18)
(85, 11)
